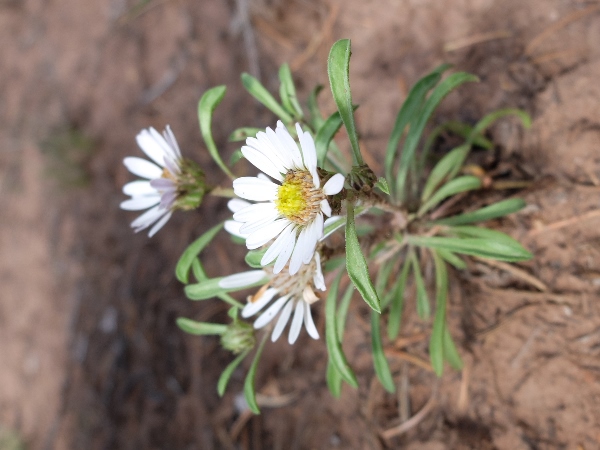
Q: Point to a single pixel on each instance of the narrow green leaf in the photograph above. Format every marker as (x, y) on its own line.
(235, 157)
(182, 269)
(423, 306)
(436, 344)
(249, 390)
(253, 258)
(452, 259)
(200, 275)
(325, 135)
(356, 264)
(452, 187)
(287, 92)
(449, 164)
(200, 328)
(243, 133)
(383, 277)
(209, 288)
(316, 119)
(206, 106)
(416, 130)
(258, 91)
(226, 375)
(382, 185)
(489, 119)
(493, 211)
(382, 369)
(484, 248)
(408, 112)
(338, 69)
(342, 312)
(334, 380)
(395, 318)
(450, 352)
(334, 347)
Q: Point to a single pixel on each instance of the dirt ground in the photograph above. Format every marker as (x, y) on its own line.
(91, 356)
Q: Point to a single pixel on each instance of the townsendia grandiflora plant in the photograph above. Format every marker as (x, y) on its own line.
(298, 220)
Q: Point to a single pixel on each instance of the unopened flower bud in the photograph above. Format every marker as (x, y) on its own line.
(238, 337)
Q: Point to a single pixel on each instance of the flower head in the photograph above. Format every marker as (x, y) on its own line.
(170, 181)
(291, 210)
(285, 294)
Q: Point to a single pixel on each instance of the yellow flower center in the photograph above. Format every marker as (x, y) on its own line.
(297, 198)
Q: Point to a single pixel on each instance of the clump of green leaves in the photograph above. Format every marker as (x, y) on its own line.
(419, 235)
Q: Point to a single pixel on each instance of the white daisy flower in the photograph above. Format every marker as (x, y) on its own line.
(290, 211)
(170, 181)
(285, 294)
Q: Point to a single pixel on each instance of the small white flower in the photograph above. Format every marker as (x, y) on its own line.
(159, 189)
(290, 211)
(285, 294)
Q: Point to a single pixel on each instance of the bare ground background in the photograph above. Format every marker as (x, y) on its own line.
(91, 357)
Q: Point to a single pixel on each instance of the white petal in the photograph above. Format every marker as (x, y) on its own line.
(233, 227)
(325, 207)
(288, 145)
(255, 211)
(318, 278)
(161, 223)
(334, 185)
(150, 147)
(314, 233)
(262, 162)
(256, 225)
(280, 244)
(284, 317)
(149, 217)
(285, 253)
(309, 324)
(297, 322)
(164, 145)
(252, 308)
(309, 153)
(271, 149)
(139, 188)
(261, 237)
(296, 260)
(137, 203)
(242, 279)
(271, 312)
(252, 188)
(237, 204)
(170, 138)
(142, 167)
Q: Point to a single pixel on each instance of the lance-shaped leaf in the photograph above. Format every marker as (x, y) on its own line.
(450, 352)
(500, 249)
(397, 302)
(450, 163)
(200, 328)
(260, 93)
(325, 135)
(206, 106)
(209, 288)
(243, 133)
(356, 264)
(200, 275)
(416, 129)
(334, 347)
(316, 119)
(182, 269)
(423, 306)
(382, 369)
(338, 69)
(287, 92)
(452, 259)
(226, 374)
(493, 211)
(408, 112)
(452, 187)
(436, 344)
(249, 390)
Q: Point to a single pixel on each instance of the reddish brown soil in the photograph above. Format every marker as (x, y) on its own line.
(91, 356)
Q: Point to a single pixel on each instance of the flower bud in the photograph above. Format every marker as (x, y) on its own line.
(238, 337)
